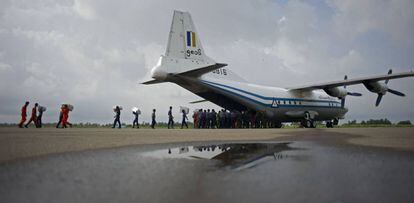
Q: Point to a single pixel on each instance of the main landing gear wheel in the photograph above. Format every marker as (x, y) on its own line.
(278, 125)
(308, 122)
(329, 124)
(313, 124)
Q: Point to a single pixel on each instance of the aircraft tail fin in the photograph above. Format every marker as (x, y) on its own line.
(184, 54)
(183, 40)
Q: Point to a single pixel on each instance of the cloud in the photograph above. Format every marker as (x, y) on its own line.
(84, 9)
(394, 18)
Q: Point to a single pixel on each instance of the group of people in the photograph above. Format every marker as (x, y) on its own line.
(37, 114)
(136, 112)
(35, 117)
(64, 116)
(171, 119)
(202, 118)
(229, 119)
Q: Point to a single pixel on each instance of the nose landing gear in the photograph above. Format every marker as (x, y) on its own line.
(330, 124)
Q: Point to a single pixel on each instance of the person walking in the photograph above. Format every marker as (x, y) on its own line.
(153, 119)
(184, 122)
(117, 117)
(39, 117)
(23, 114)
(65, 116)
(135, 122)
(33, 117)
(60, 116)
(170, 119)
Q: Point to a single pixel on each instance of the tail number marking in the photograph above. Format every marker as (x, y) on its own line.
(193, 52)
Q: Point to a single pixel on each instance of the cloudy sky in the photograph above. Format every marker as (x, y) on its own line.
(93, 54)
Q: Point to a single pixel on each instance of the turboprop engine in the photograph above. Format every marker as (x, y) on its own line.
(341, 92)
(377, 87)
(381, 89)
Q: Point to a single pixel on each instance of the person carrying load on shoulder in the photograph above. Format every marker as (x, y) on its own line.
(33, 117)
(23, 114)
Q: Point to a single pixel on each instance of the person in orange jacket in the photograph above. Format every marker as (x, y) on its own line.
(24, 114)
(65, 117)
(33, 117)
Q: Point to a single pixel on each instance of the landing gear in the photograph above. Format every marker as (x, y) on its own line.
(313, 124)
(336, 121)
(329, 124)
(278, 125)
(308, 122)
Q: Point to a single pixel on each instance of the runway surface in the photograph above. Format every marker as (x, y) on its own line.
(282, 166)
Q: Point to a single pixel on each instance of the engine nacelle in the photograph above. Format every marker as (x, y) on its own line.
(339, 92)
(377, 87)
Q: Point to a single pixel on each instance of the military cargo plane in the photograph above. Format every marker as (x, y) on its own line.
(186, 65)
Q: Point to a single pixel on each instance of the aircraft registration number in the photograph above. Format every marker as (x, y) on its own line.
(220, 71)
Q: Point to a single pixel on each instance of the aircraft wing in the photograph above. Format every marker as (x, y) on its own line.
(352, 81)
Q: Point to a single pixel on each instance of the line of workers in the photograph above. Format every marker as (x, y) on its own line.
(136, 112)
(204, 119)
(37, 113)
(229, 119)
(201, 118)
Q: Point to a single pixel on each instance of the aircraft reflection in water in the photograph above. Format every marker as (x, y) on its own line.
(234, 156)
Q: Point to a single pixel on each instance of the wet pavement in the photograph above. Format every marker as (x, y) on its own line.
(297, 171)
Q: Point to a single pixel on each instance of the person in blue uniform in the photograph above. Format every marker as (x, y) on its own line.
(117, 117)
(184, 121)
(153, 119)
(135, 122)
(170, 118)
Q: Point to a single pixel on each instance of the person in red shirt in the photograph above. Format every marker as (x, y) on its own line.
(65, 117)
(33, 117)
(195, 118)
(24, 114)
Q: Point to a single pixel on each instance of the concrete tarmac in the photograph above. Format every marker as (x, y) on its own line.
(234, 165)
(18, 143)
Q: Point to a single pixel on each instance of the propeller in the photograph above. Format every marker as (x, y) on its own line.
(380, 95)
(396, 92)
(378, 99)
(389, 73)
(356, 94)
(348, 93)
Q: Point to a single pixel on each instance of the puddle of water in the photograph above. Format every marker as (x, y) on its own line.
(237, 156)
(248, 172)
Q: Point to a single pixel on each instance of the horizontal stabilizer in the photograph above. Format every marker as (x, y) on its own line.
(200, 71)
(150, 82)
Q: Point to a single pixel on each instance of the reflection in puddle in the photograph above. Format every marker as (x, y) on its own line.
(237, 156)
